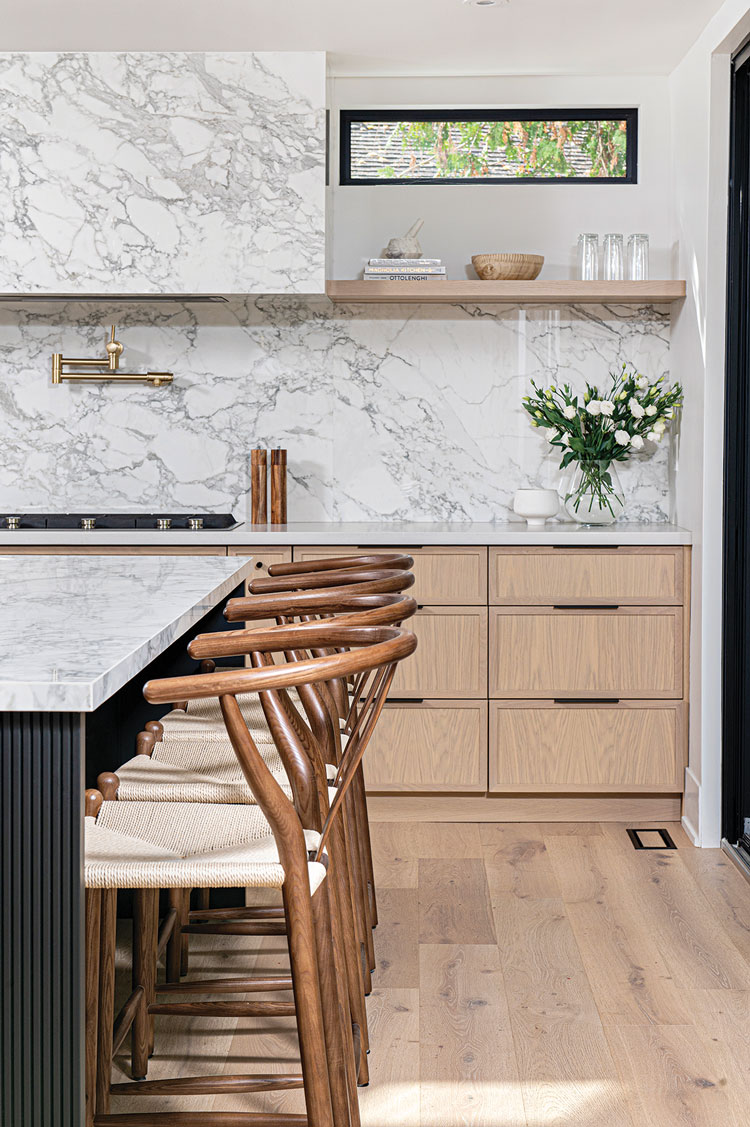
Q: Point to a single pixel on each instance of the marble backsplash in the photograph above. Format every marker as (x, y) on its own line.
(388, 412)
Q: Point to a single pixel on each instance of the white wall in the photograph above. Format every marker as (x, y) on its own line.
(466, 219)
(699, 100)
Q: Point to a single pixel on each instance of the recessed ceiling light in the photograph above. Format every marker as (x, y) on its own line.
(486, 3)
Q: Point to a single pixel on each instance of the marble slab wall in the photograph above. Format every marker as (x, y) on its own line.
(162, 172)
(388, 412)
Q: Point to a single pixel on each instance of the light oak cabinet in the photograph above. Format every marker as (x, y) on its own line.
(633, 652)
(625, 746)
(589, 649)
(439, 696)
(541, 671)
(451, 658)
(432, 745)
(629, 576)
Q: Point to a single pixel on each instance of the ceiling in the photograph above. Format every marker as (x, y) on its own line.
(383, 36)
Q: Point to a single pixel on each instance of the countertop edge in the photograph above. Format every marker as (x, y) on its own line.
(86, 696)
(403, 534)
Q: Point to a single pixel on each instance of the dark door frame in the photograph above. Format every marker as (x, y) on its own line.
(736, 593)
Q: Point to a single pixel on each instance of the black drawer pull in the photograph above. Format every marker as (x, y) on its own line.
(405, 700)
(586, 700)
(585, 606)
(381, 547)
(585, 547)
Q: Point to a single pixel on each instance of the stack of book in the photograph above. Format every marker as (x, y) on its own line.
(404, 270)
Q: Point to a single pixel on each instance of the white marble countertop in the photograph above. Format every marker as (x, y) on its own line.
(347, 533)
(74, 629)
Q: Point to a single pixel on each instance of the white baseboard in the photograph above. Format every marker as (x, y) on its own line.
(691, 807)
(689, 829)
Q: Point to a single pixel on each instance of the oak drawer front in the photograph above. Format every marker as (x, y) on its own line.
(451, 658)
(543, 746)
(430, 746)
(548, 576)
(442, 576)
(633, 652)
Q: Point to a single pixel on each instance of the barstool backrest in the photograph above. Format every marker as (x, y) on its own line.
(377, 580)
(364, 648)
(388, 560)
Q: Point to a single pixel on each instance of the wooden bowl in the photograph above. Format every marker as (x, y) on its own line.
(507, 267)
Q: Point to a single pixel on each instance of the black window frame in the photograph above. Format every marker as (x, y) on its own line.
(629, 114)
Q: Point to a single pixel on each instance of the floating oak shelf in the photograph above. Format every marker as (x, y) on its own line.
(510, 293)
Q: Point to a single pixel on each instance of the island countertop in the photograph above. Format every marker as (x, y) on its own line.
(74, 629)
(396, 533)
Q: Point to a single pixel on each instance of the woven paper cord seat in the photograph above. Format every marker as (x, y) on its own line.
(197, 770)
(185, 845)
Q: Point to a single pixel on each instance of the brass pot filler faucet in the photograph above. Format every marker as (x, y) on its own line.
(111, 363)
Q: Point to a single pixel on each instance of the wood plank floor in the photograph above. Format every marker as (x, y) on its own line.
(528, 976)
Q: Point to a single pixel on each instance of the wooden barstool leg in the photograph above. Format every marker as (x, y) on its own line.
(359, 864)
(174, 943)
(354, 1056)
(349, 943)
(145, 945)
(307, 1001)
(363, 834)
(92, 932)
(184, 946)
(340, 1062)
(358, 908)
(106, 1016)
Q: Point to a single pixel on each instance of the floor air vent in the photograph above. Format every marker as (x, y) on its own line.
(651, 839)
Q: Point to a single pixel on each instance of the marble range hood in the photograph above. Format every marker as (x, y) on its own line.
(162, 173)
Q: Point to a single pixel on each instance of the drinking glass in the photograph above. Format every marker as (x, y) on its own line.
(613, 258)
(638, 258)
(588, 257)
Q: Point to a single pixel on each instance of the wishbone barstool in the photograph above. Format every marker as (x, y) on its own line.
(144, 854)
(348, 581)
(204, 722)
(326, 733)
(384, 608)
(388, 609)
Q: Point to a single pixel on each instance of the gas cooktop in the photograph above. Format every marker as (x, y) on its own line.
(121, 522)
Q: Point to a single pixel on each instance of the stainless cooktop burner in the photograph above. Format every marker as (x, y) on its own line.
(121, 522)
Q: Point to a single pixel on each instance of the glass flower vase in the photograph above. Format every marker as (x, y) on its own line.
(594, 493)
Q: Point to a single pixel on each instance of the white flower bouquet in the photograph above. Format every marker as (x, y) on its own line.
(603, 429)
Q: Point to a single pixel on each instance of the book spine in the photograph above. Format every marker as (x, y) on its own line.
(405, 270)
(405, 262)
(405, 278)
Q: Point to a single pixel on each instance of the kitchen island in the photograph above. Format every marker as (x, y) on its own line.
(80, 635)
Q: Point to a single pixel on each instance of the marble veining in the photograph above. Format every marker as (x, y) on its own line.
(74, 629)
(403, 412)
(162, 172)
